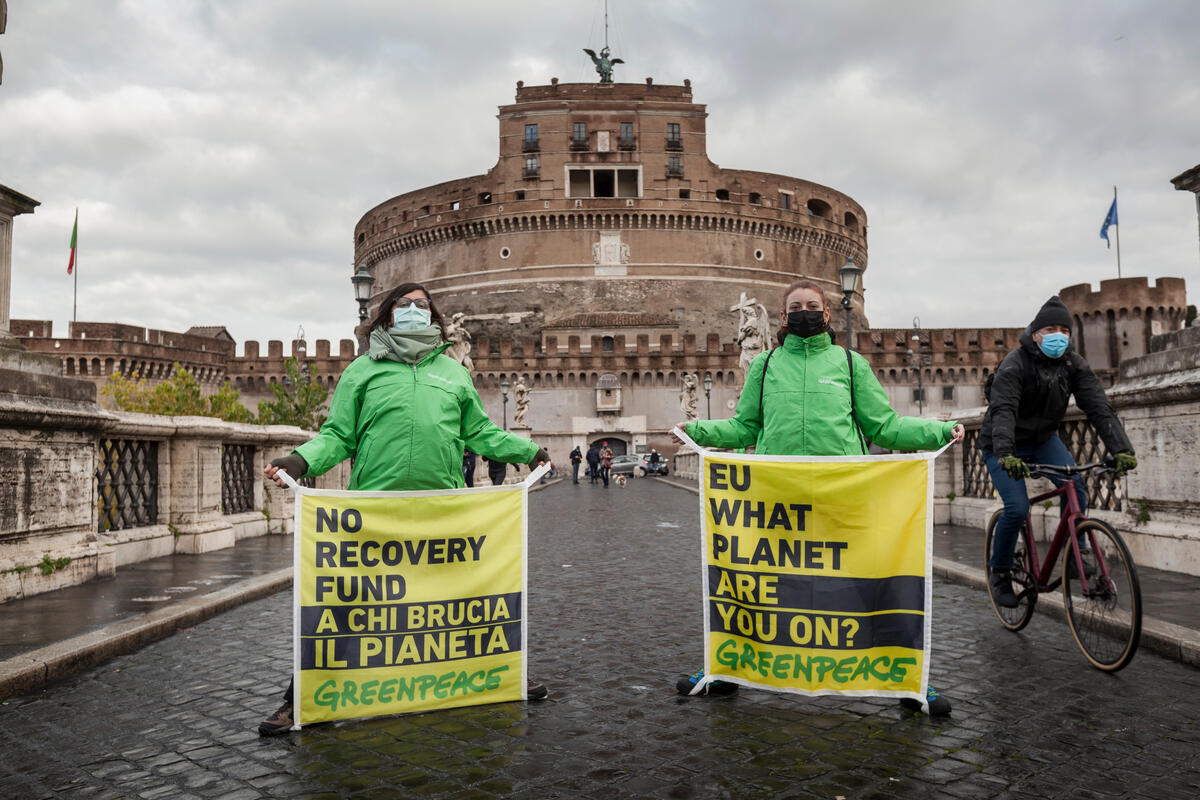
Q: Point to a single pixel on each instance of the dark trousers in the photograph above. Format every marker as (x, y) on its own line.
(575, 471)
(604, 474)
(1016, 498)
(593, 471)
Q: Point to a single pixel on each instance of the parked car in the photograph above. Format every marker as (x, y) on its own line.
(624, 465)
(649, 468)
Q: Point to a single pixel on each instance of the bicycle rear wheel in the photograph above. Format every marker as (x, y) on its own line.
(1024, 586)
(1104, 612)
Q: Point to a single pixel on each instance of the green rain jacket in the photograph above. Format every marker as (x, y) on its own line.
(407, 426)
(806, 407)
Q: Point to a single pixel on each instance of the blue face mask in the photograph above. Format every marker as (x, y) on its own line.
(1055, 344)
(410, 317)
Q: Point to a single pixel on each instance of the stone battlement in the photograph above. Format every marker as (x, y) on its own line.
(1126, 295)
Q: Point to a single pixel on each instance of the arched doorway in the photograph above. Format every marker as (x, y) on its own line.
(618, 446)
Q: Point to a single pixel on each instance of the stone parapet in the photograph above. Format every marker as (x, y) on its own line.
(91, 490)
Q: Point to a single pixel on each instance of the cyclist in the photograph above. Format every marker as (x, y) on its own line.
(1026, 403)
(815, 407)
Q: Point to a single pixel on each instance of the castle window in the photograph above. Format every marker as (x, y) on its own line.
(587, 181)
(531, 139)
(851, 221)
(626, 140)
(785, 200)
(531, 167)
(519, 194)
(579, 136)
(485, 198)
(362, 237)
(819, 208)
(722, 194)
(425, 210)
(755, 199)
(948, 394)
(607, 344)
(685, 194)
(454, 205)
(674, 142)
(674, 167)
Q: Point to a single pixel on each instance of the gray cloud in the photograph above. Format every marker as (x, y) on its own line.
(220, 153)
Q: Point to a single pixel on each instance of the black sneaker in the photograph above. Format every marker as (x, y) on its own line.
(688, 682)
(1002, 590)
(278, 723)
(939, 706)
(536, 691)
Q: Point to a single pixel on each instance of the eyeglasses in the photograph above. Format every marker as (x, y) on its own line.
(405, 302)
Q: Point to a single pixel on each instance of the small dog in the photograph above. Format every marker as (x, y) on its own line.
(620, 480)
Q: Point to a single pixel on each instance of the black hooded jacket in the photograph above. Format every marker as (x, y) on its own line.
(1027, 415)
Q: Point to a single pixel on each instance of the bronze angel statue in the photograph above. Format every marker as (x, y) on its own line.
(603, 63)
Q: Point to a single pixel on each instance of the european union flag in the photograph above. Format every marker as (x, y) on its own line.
(1111, 219)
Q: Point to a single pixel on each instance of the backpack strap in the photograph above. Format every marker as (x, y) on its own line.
(762, 384)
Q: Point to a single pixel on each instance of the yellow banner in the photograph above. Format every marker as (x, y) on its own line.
(816, 572)
(408, 601)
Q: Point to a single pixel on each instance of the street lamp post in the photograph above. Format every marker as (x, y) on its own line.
(708, 383)
(848, 277)
(917, 361)
(504, 395)
(363, 281)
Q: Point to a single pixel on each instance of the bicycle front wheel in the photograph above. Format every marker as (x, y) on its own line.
(1104, 607)
(1023, 584)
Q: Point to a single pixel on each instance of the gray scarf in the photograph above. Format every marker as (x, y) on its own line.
(407, 347)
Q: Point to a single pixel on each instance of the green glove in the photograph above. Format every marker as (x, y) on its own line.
(1125, 462)
(1015, 467)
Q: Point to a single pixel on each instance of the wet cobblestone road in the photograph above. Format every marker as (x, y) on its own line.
(615, 619)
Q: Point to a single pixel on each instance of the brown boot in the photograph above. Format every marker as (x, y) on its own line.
(278, 723)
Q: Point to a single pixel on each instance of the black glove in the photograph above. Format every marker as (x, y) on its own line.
(541, 456)
(293, 465)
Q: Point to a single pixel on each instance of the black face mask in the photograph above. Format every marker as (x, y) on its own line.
(806, 323)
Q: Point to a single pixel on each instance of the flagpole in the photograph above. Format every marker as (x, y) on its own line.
(1118, 235)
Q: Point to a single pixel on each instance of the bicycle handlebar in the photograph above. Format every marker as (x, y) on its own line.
(1061, 470)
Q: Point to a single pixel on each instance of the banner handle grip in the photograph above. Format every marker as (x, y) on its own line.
(282, 474)
(536, 474)
(687, 440)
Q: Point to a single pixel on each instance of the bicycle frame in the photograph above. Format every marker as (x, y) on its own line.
(1063, 535)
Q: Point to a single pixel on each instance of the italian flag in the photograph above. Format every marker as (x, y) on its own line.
(74, 234)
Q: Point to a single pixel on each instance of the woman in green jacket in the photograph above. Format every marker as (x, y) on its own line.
(796, 401)
(405, 411)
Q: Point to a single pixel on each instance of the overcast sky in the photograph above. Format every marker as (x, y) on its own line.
(220, 152)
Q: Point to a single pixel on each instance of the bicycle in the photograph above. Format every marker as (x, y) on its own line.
(1104, 609)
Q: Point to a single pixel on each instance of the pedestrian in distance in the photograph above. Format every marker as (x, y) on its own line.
(496, 471)
(1027, 398)
(593, 460)
(576, 458)
(606, 457)
(469, 469)
(809, 397)
(405, 411)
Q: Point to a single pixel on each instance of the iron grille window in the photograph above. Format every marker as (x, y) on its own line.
(237, 478)
(674, 166)
(578, 135)
(531, 133)
(531, 167)
(1103, 491)
(127, 484)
